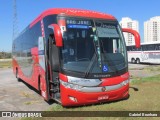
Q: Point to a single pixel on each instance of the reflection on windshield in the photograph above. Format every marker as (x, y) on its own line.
(78, 45)
(83, 40)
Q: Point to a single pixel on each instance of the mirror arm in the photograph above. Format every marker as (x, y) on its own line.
(57, 34)
(135, 34)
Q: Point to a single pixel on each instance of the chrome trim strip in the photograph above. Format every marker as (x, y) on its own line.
(98, 89)
(84, 82)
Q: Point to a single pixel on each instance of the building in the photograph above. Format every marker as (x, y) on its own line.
(127, 22)
(152, 29)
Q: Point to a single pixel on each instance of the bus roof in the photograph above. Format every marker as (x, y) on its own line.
(148, 43)
(153, 42)
(73, 12)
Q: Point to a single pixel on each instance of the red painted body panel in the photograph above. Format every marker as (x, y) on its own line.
(37, 72)
(73, 12)
(31, 81)
(43, 84)
(91, 98)
(63, 77)
(114, 80)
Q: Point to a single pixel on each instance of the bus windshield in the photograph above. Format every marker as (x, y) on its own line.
(92, 46)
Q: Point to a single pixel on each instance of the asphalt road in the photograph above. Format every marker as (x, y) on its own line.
(18, 96)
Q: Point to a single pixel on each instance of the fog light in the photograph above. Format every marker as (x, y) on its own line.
(73, 99)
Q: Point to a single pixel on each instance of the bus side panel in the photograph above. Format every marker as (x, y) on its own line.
(43, 84)
(33, 81)
(134, 55)
(30, 80)
(16, 67)
(147, 53)
(151, 57)
(25, 60)
(145, 56)
(36, 72)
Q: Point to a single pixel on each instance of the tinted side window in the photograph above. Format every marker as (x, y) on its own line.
(144, 48)
(35, 34)
(27, 40)
(30, 38)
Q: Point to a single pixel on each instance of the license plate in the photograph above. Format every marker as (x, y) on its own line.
(105, 97)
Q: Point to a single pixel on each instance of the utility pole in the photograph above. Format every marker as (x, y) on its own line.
(15, 20)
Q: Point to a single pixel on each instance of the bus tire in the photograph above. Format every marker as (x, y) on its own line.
(138, 61)
(18, 79)
(133, 61)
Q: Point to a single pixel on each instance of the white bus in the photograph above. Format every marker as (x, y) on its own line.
(147, 53)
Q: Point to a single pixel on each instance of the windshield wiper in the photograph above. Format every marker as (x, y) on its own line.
(98, 50)
(90, 66)
(97, 55)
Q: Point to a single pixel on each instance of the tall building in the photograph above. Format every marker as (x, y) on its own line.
(127, 22)
(152, 29)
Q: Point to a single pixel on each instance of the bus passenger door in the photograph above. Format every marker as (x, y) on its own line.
(54, 68)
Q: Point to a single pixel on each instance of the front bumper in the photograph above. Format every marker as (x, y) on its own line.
(85, 98)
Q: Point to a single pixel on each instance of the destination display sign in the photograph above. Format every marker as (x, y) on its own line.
(107, 30)
(78, 26)
(78, 22)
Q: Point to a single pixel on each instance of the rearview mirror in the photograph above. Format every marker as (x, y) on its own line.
(57, 34)
(135, 34)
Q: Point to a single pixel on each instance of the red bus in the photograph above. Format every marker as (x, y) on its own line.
(73, 56)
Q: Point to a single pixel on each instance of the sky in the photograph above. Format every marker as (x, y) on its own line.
(28, 10)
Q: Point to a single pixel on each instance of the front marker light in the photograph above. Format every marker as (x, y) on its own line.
(73, 99)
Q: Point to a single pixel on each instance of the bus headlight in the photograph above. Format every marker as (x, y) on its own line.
(70, 85)
(124, 83)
